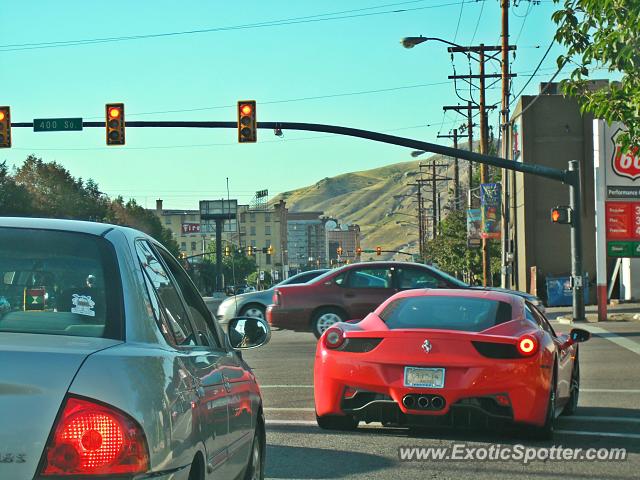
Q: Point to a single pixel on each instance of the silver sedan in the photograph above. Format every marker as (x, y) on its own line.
(254, 304)
(112, 364)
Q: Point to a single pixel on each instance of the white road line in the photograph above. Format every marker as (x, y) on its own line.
(291, 422)
(286, 386)
(376, 425)
(614, 338)
(599, 434)
(608, 390)
(587, 418)
(289, 409)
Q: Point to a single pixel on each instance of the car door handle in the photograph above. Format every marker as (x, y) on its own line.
(350, 295)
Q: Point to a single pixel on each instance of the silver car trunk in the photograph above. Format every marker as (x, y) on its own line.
(35, 374)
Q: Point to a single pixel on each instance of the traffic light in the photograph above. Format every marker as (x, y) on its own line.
(270, 250)
(227, 251)
(115, 123)
(5, 127)
(561, 214)
(358, 251)
(247, 125)
(378, 251)
(339, 250)
(251, 250)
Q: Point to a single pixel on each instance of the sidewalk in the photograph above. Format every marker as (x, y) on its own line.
(622, 312)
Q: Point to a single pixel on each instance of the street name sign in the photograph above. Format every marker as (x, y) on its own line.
(57, 124)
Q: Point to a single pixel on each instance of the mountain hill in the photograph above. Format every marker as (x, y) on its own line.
(382, 200)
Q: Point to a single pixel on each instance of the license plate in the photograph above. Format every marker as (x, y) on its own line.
(424, 377)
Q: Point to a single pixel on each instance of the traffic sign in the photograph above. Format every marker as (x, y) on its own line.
(57, 124)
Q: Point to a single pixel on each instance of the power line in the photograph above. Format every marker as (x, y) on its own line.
(459, 18)
(272, 23)
(535, 71)
(473, 37)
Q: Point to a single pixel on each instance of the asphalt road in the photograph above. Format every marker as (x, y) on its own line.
(608, 417)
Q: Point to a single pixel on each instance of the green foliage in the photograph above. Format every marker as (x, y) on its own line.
(603, 33)
(236, 267)
(449, 249)
(253, 279)
(47, 189)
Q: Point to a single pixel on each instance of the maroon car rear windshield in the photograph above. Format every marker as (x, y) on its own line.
(451, 313)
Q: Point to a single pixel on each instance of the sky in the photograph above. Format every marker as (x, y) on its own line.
(334, 62)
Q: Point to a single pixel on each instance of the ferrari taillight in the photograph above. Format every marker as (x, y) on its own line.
(333, 338)
(94, 439)
(527, 345)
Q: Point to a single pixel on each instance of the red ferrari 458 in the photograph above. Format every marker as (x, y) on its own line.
(441, 357)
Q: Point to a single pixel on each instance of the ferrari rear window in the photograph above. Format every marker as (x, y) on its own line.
(450, 313)
(58, 283)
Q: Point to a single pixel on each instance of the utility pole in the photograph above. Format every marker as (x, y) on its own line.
(484, 140)
(505, 277)
(422, 230)
(433, 180)
(456, 170)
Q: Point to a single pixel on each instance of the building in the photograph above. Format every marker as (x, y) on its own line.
(262, 229)
(551, 131)
(347, 238)
(185, 226)
(306, 241)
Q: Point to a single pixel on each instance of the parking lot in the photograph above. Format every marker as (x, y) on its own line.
(608, 417)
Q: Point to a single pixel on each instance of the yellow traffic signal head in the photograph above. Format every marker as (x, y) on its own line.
(5, 127)
(247, 124)
(378, 251)
(115, 123)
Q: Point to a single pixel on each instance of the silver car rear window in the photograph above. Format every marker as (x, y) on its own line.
(59, 283)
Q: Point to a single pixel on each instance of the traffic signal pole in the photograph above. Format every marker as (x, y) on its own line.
(575, 202)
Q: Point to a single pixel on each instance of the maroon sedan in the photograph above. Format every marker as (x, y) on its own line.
(349, 292)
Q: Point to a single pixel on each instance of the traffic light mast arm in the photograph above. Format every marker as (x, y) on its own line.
(539, 170)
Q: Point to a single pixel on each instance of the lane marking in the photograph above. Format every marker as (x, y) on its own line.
(619, 340)
(289, 409)
(580, 418)
(608, 390)
(599, 434)
(286, 386)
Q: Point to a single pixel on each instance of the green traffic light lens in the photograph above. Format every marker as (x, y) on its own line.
(245, 132)
(114, 135)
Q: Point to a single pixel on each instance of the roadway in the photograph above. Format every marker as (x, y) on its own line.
(608, 417)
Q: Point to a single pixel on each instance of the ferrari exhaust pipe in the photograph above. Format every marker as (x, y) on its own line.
(437, 403)
(408, 401)
(423, 402)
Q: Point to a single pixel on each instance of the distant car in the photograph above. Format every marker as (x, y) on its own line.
(353, 291)
(114, 366)
(436, 357)
(255, 304)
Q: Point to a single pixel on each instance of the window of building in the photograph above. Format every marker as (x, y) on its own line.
(267, 217)
(268, 257)
(252, 217)
(267, 229)
(193, 245)
(253, 243)
(243, 218)
(167, 220)
(253, 230)
(183, 246)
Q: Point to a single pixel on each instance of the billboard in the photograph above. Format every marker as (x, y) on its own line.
(188, 228)
(474, 226)
(490, 207)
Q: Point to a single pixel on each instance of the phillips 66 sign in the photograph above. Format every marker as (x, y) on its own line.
(625, 164)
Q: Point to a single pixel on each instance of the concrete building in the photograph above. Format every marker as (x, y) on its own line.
(185, 226)
(261, 229)
(550, 132)
(346, 237)
(306, 241)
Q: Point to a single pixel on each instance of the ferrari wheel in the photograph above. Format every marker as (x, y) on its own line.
(337, 422)
(574, 390)
(325, 318)
(545, 432)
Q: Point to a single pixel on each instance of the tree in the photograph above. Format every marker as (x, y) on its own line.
(449, 249)
(603, 34)
(14, 198)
